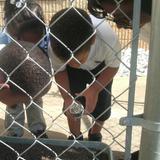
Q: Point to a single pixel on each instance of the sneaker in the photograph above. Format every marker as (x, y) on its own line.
(79, 138)
(95, 137)
(40, 134)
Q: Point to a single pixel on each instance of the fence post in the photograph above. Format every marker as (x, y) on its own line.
(150, 141)
(133, 77)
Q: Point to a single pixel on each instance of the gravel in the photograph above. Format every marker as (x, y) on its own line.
(142, 62)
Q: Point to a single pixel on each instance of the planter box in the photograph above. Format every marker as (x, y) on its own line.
(51, 149)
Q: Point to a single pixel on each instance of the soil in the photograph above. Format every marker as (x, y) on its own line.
(40, 152)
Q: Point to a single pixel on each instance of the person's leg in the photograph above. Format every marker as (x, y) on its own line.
(97, 127)
(94, 133)
(74, 126)
(13, 114)
(101, 113)
(77, 79)
(35, 118)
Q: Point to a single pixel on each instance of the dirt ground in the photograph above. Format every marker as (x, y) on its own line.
(113, 133)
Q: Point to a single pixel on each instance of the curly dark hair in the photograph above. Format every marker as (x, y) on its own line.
(71, 28)
(95, 7)
(31, 76)
(25, 20)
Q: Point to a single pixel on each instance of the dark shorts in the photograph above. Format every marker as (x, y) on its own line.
(78, 78)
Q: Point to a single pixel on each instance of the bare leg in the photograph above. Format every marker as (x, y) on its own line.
(97, 127)
(74, 125)
(95, 132)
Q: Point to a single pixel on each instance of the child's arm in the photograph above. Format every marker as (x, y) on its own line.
(104, 78)
(91, 94)
(63, 85)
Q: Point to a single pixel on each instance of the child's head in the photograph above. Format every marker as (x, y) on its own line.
(25, 26)
(73, 34)
(121, 10)
(25, 75)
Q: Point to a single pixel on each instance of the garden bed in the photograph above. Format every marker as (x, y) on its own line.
(14, 148)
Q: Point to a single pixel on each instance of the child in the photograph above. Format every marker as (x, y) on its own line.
(25, 26)
(80, 57)
(28, 72)
(100, 9)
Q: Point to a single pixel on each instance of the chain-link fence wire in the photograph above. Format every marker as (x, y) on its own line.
(57, 128)
(50, 8)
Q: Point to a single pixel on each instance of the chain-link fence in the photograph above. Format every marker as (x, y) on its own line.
(44, 109)
(50, 8)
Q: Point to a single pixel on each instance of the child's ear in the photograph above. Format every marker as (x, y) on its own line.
(4, 86)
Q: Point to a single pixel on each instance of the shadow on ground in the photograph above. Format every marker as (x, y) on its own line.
(51, 134)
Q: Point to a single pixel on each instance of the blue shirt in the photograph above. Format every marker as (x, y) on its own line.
(44, 44)
(4, 39)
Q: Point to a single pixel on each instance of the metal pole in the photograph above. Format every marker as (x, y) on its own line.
(150, 141)
(133, 76)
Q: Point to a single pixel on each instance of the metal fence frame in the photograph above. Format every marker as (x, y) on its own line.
(125, 37)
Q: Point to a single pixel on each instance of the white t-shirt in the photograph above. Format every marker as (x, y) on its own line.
(145, 32)
(106, 48)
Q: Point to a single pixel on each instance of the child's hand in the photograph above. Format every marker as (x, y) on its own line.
(91, 97)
